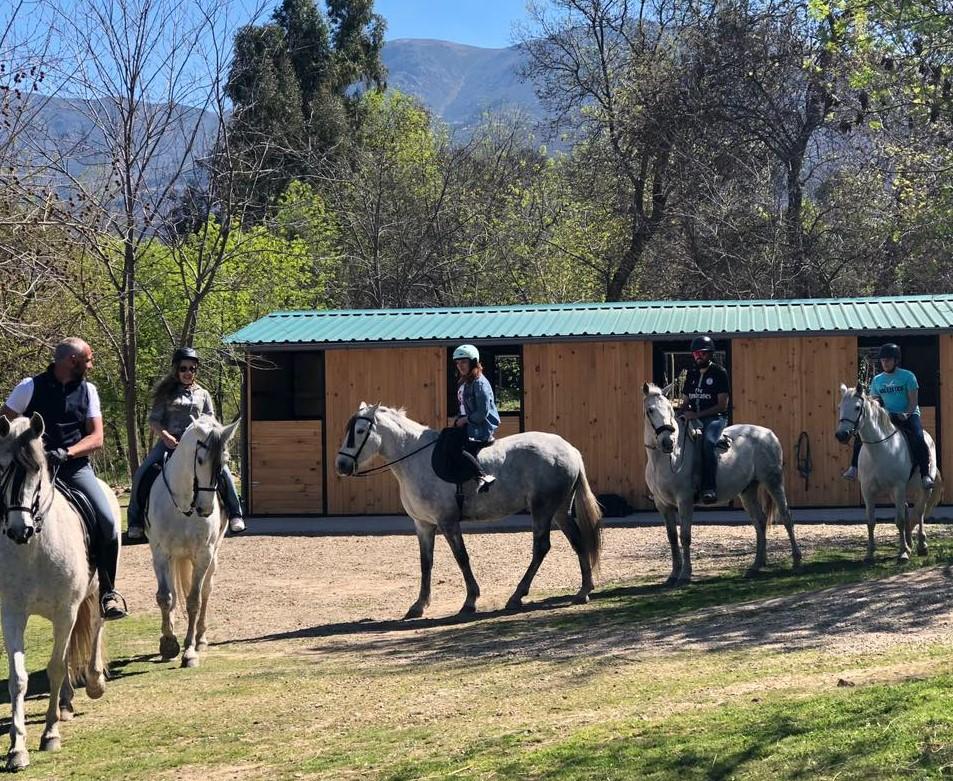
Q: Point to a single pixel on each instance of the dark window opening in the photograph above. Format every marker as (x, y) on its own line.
(287, 386)
(503, 367)
(672, 360)
(921, 355)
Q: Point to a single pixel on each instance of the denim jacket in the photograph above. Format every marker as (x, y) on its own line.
(481, 409)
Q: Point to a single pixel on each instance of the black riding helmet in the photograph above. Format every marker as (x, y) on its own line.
(703, 343)
(890, 350)
(184, 353)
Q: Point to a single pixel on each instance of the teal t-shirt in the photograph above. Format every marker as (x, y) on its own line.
(894, 388)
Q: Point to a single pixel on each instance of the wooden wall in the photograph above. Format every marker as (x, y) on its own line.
(412, 377)
(590, 393)
(792, 385)
(946, 413)
(286, 465)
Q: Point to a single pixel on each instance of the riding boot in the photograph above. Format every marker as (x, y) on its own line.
(111, 602)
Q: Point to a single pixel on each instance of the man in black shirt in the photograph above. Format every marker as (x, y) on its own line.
(705, 399)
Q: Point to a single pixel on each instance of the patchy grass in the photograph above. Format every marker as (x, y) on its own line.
(555, 692)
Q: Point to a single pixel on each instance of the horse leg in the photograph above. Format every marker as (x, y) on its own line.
(922, 549)
(670, 514)
(14, 624)
(165, 599)
(781, 501)
(573, 533)
(749, 500)
(426, 534)
(67, 693)
(541, 545)
(55, 674)
(95, 667)
(900, 502)
(200, 567)
(451, 530)
(686, 511)
(201, 641)
(870, 510)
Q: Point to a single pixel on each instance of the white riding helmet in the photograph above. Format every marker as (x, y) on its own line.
(466, 351)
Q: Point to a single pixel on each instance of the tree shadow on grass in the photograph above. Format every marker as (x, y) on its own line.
(829, 598)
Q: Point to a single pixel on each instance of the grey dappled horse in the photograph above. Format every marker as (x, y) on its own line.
(752, 469)
(885, 466)
(186, 527)
(535, 470)
(45, 570)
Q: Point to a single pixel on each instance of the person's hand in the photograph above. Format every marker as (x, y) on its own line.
(169, 441)
(57, 456)
(902, 417)
(461, 421)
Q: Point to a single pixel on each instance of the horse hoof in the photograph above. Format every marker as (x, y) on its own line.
(50, 744)
(870, 559)
(202, 645)
(190, 661)
(752, 572)
(96, 687)
(903, 558)
(671, 580)
(416, 611)
(168, 647)
(514, 603)
(922, 550)
(683, 580)
(17, 761)
(67, 713)
(582, 598)
(467, 610)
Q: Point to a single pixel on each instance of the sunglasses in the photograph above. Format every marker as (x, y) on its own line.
(188, 369)
(698, 354)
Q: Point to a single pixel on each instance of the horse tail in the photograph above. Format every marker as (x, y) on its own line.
(770, 507)
(936, 495)
(182, 577)
(83, 638)
(588, 519)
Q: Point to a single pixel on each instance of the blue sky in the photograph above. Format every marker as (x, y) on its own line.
(476, 22)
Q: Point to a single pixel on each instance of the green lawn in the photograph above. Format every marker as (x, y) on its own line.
(554, 693)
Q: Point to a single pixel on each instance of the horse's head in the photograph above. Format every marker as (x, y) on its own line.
(853, 403)
(361, 441)
(660, 425)
(22, 474)
(204, 445)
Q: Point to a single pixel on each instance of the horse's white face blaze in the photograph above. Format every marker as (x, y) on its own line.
(357, 450)
(658, 413)
(849, 414)
(19, 525)
(190, 444)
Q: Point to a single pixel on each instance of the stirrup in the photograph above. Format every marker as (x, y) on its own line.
(485, 483)
(113, 612)
(709, 496)
(135, 533)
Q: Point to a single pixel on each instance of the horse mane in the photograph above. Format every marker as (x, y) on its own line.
(879, 411)
(26, 451)
(654, 390)
(215, 445)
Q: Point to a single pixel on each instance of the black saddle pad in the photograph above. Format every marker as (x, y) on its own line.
(446, 459)
(145, 486)
(84, 508)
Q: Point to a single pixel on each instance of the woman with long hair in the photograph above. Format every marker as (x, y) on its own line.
(178, 398)
(477, 410)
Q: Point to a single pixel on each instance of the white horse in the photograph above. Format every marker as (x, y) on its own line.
(535, 470)
(752, 469)
(45, 570)
(186, 527)
(885, 466)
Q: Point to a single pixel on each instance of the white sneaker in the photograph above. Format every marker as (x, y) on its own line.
(236, 525)
(850, 473)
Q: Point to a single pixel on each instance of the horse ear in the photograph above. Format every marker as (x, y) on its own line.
(362, 406)
(229, 431)
(36, 424)
(843, 389)
(4, 426)
(645, 389)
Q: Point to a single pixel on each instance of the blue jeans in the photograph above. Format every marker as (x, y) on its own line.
(105, 542)
(229, 495)
(713, 428)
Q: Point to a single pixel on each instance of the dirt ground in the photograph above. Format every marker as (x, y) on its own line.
(285, 587)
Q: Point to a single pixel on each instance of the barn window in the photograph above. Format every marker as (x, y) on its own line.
(287, 386)
(672, 360)
(503, 367)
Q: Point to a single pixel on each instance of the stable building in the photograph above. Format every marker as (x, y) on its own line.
(576, 370)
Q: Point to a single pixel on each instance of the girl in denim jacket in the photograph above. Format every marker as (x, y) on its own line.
(477, 413)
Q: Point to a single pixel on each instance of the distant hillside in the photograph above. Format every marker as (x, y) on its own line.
(459, 83)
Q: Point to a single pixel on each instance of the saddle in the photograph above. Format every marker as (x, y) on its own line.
(84, 508)
(145, 486)
(445, 459)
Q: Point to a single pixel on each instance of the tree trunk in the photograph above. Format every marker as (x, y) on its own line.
(801, 286)
(130, 349)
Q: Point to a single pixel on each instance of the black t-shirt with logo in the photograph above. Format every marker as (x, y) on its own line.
(702, 389)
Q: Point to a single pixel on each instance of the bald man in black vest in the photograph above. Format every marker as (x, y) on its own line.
(73, 420)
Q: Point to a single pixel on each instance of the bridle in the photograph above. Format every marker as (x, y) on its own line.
(12, 479)
(855, 425)
(661, 429)
(196, 488)
(352, 437)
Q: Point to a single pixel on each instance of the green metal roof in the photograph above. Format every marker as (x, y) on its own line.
(636, 319)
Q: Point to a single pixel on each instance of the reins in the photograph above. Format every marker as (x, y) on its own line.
(680, 457)
(856, 425)
(12, 479)
(196, 488)
(351, 424)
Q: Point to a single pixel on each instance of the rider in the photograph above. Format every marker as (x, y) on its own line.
(73, 428)
(477, 409)
(175, 400)
(705, 399)
(899, 391)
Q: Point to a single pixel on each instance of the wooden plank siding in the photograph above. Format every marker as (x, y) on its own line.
(590, 393)
(287, 469)
(791, 385)
(946, 412)
(411, 377)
